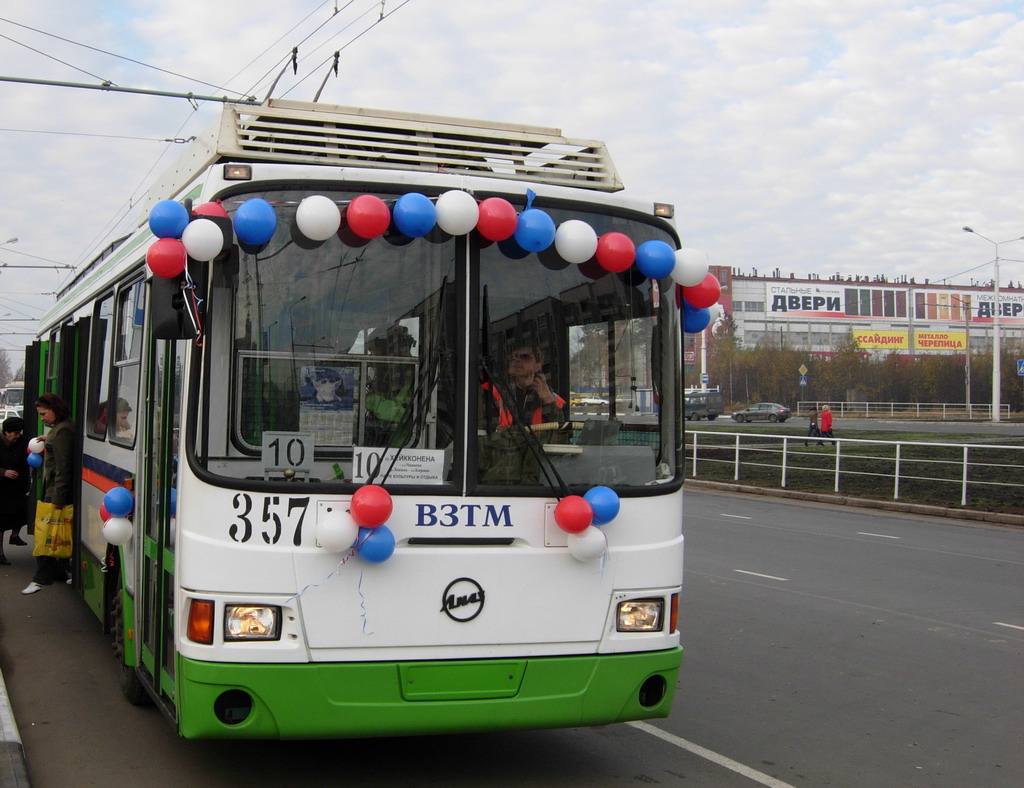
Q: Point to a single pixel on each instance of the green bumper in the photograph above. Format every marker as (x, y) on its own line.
(350, 700)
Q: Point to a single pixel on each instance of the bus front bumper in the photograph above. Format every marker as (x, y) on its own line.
(362, 700)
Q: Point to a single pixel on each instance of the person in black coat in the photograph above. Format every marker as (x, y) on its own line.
(14, 478)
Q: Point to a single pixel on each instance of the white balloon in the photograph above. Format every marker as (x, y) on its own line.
(457, 212)
(691, 267)
(588, 545)
(336, 530)
(117, 531)
(575, 241)
(37, 445)
(318, 217)
(717, 312)
(203, 240)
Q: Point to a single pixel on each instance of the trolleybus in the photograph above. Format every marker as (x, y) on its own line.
(12, 399)
(361, 505)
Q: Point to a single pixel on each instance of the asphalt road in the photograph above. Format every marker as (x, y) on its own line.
(824, 647)
(844, 647)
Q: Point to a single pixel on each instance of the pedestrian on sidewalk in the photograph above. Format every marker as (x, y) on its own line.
(13, 481)
(58, 463)
(812, 425)
(826, 424)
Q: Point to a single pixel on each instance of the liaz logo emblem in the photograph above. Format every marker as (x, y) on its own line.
(462, 600)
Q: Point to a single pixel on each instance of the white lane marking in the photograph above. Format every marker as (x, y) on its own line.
(880, 536)
(737, 516)
(1011, 626)
(709, 755)
(758, 574)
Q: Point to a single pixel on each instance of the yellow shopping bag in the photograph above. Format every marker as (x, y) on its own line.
(53, 530)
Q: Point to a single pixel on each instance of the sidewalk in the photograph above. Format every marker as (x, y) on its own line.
(13, 764)
(13, 768)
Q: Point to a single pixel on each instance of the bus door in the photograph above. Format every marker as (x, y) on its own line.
(160, 447)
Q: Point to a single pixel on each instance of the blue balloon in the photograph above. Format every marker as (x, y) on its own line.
(695, 319)
(414, 214)
(168, 219)
(535, 230)
(34, 460)
(655, 259)
(605, 503)
(119, 502)
(255, 222)
(375, 544)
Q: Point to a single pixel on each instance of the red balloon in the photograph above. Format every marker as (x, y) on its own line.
(573, 514)
(497, 220)
(615, 252)
(104, 514)
(166, 257)
(705, 294)
(371, 505)
(209, 209)
(368, 216)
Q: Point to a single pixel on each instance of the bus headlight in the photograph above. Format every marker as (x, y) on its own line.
(640, 615)
(252, 622)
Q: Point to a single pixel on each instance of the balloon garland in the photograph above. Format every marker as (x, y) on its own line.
(414, 215)
(361, 528)
(117, 505)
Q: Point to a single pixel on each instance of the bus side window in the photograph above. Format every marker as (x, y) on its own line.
(127, 363)
(99, 368)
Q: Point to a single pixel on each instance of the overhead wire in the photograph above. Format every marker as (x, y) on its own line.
(57, 59)
(123, 212)
(253, 90)
(318, 68)
(104, 52)
(177, 140)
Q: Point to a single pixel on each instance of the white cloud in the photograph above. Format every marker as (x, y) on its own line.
(807, 135)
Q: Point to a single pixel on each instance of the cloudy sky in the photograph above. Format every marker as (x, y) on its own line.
(810, 136)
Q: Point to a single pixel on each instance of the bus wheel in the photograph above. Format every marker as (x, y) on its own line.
(131, 684)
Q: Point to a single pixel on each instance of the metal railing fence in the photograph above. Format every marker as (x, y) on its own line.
(987, 476)
(909, 410)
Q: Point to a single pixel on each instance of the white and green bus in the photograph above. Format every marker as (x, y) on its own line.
(353, 514)
(12, 399)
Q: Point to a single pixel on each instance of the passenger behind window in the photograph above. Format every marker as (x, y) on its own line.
(389, 390)
(123, 429)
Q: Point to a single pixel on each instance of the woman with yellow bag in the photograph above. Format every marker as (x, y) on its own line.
(54, 514)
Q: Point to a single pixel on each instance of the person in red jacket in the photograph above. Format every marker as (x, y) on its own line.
(826, 425)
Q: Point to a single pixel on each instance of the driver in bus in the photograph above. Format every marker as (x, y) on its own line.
(505, 454)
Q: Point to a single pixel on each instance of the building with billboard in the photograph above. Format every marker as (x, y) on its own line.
(883, 316)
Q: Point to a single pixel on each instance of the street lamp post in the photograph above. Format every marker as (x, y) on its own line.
(997, 378)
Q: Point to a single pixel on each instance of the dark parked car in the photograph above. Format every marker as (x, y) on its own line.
(704, 405)
(763, 411)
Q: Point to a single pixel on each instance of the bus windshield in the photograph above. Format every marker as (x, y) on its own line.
(417, 361)
(14, 395)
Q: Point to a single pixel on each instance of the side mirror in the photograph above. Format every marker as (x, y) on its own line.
(167, 309)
